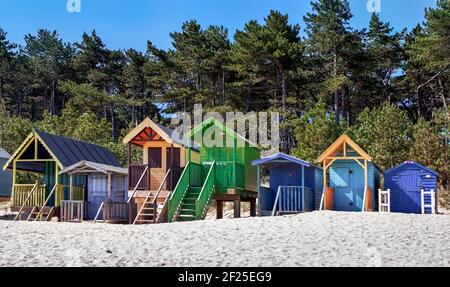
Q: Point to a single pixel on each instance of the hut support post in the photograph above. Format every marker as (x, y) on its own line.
(109, 185)
(219, 209)
(71, 186)
(129, 154)
(235, 160)
(259, 189)
(171, 167)
(303, 189)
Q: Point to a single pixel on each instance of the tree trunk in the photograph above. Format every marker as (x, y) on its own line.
(113, 122)
(443, 97)
(336, 93)
(53, 98)
(284, 88)
(1, 88)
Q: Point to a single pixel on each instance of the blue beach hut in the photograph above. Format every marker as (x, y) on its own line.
(406, 183)
(295, 185)
(5, 176)
(350, 176)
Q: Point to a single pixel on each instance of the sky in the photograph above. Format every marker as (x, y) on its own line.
(130, 24)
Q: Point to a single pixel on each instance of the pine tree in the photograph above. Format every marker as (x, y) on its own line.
(385, 52)
(315, 132)
(6, 58)
(49, 58)
(384, 133)
(329, 35)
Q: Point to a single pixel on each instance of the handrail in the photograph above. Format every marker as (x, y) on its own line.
(46, 201)
(26, 200)
(276, 201)
(154, 201)
(161, 186)
(98, 212)
(138, 183)
(364, 199)
(173, 209)
(322, 200)
(203, 195)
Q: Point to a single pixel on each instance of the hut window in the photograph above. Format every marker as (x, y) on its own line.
(155, 157)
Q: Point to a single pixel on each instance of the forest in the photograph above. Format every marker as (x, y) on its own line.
(387, 88)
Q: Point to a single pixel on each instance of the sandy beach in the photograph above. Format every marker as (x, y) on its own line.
(312, 239)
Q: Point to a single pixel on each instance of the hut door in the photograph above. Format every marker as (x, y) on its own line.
(176, 173)
(343, 193)
(97, 193)
(410, 184)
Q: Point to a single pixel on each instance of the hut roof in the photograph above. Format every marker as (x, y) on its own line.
(65, 151)
(210, 122)
(148, 130)
(338, 143)
(4, 154)
(411, 163)
(86, 167)
(281, 157)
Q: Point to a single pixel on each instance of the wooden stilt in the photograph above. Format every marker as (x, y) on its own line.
(219, 209)
(237, 208)
(253, 207)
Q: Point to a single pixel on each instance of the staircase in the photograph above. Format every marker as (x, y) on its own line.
(193, 194)
(151, 212)
(187, 209)
(41, 214)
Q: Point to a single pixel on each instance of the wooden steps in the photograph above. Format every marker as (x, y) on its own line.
(187, 210)
(41, 214)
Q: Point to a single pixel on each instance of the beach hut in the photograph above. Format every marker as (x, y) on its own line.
(107, 189)
(293, 184)
(5, 176)
(225, 174)
(44, 155)
(412, 188)
(350, 177)
(165, 154)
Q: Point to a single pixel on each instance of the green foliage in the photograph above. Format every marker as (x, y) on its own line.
(384, 133)
(315, 132)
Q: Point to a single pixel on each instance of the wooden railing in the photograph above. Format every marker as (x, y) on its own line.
(61, 190)
(72, 211)
(139, 176)
(21, 195)
(291, 199)
(115, 211)
(227, 177)
(206, 194)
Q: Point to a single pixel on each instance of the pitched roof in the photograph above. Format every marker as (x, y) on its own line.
(283, 157)
(84, 167)
(411, 163)
(164, 132)
(66, 151)
(4, 154)
(338, 143)
(208, 123)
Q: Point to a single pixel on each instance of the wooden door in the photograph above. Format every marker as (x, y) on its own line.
(176, 168)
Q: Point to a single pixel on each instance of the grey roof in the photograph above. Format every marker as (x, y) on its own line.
(281, 156)
(4, 154)
(69, 151)
(178, 138)
(83, 167)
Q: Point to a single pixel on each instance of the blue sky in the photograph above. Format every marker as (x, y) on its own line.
(129, 24)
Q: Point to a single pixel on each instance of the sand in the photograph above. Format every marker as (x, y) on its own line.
(312, 239)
